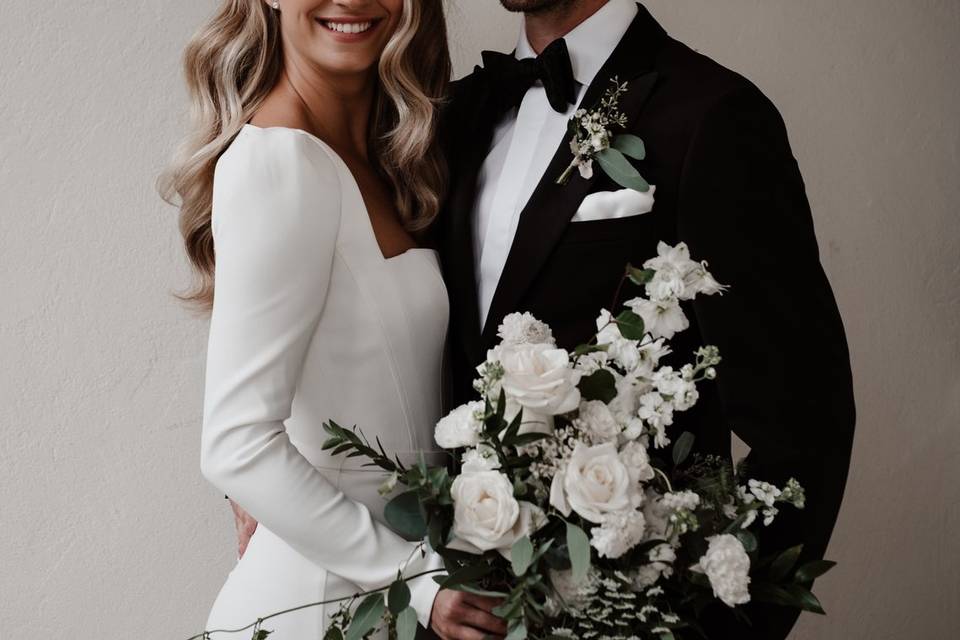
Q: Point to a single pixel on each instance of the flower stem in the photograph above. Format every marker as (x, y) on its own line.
(565, 176)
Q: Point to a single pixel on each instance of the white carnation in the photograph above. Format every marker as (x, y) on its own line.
(618, 533)
(727, 565)
(461, 427)
(523, 328)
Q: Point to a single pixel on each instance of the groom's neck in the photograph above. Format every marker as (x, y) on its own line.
(545, 26)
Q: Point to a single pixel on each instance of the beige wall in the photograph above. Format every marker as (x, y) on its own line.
(107, 529)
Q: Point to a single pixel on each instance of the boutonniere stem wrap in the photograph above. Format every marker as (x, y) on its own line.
(593, 139)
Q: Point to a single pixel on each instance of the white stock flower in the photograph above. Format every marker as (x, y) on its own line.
(661, 318)
(480, 458)
(460, 427)
(657, 414)
(681, 501)
(539, 377)
(523, 328)
(597, 420)
(624, 352)
(595, 481)
(727, 566)
(764, 491)
(683, 392)
(619, 532)
(487, 516)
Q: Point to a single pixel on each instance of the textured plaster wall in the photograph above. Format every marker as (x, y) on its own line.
(107, 528)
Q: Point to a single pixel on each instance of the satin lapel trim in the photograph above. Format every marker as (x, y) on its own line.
(475, 144)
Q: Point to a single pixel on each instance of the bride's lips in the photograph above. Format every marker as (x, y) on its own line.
(350, 29)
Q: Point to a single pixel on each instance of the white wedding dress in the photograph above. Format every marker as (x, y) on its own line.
(311, 323)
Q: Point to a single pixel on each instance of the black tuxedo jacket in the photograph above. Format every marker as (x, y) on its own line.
(728, 186)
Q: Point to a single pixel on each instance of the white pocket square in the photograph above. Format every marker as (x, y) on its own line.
(607, 205)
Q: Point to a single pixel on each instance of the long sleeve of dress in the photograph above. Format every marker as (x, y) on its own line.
(276, 214)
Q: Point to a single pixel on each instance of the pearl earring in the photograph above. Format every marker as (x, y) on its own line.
(276, 5)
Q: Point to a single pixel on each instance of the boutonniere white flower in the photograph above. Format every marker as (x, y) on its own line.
(593, 139)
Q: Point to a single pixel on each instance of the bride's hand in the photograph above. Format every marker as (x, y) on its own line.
(458, 615)
(246, 525)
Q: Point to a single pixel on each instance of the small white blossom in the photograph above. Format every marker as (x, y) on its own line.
(481, 458)
(661, 318)
(764, 491)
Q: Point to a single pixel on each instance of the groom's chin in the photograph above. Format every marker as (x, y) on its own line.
(535, 6)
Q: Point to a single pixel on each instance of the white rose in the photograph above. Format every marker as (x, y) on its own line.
(595, 481)
(727, 565)
(487, 516)
(539, 378)
(460, 428)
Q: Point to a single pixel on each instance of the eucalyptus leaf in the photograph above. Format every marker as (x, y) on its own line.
(518, 632)
(366, 616)
(407, 624)
(630, 145)
(630, 325)
(464, 574)
(682, 447)
(748, 540)
(640, 276)
(578, 547)
(398, 597)
(481, 592)
(616, 165)
(599, 385)
(403, 514)
(521, 554)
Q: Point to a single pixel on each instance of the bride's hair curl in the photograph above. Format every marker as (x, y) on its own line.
(233, 62)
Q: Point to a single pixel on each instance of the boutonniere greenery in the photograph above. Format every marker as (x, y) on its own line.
(593, 139)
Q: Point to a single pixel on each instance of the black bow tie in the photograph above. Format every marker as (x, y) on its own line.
(552, 67)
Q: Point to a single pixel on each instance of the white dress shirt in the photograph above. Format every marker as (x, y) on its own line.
(526, 139)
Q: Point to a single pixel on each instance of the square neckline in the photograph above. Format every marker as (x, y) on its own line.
(368, 222)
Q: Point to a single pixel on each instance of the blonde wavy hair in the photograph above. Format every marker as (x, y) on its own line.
(233, 62)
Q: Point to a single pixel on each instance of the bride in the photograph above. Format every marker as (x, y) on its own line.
(312, 170)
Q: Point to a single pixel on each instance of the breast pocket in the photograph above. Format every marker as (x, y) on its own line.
(614, 230)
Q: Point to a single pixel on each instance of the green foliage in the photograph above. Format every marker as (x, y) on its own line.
(631, 325)
(615, 165)
(599, 385)
(406, 624)
(398, 597)
(813, 570)
(578, 546)
(640, 277)
(521, 555)
(682, 447)
(784, 563)
(366, 617)
(629, 145)
(403, 513)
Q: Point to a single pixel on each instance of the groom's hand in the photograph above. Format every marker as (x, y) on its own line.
(458, 615)
(246, 525)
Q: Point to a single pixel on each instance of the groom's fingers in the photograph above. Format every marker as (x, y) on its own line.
(481, 602)
(462, 632)
(484, 621)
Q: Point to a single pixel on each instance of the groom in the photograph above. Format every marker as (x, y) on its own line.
(726, 184)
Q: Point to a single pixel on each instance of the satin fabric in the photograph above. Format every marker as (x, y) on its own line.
(311, 323)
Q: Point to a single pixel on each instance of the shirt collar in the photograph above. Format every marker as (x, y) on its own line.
(592, 41)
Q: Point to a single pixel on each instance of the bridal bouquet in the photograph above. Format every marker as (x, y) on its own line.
(570, 501)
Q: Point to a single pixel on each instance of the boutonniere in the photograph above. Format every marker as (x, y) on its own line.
(593, 139)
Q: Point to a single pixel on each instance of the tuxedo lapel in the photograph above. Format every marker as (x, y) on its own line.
(548, 212)
(474, 124)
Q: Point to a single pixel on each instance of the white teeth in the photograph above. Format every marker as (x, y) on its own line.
(348, 27)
